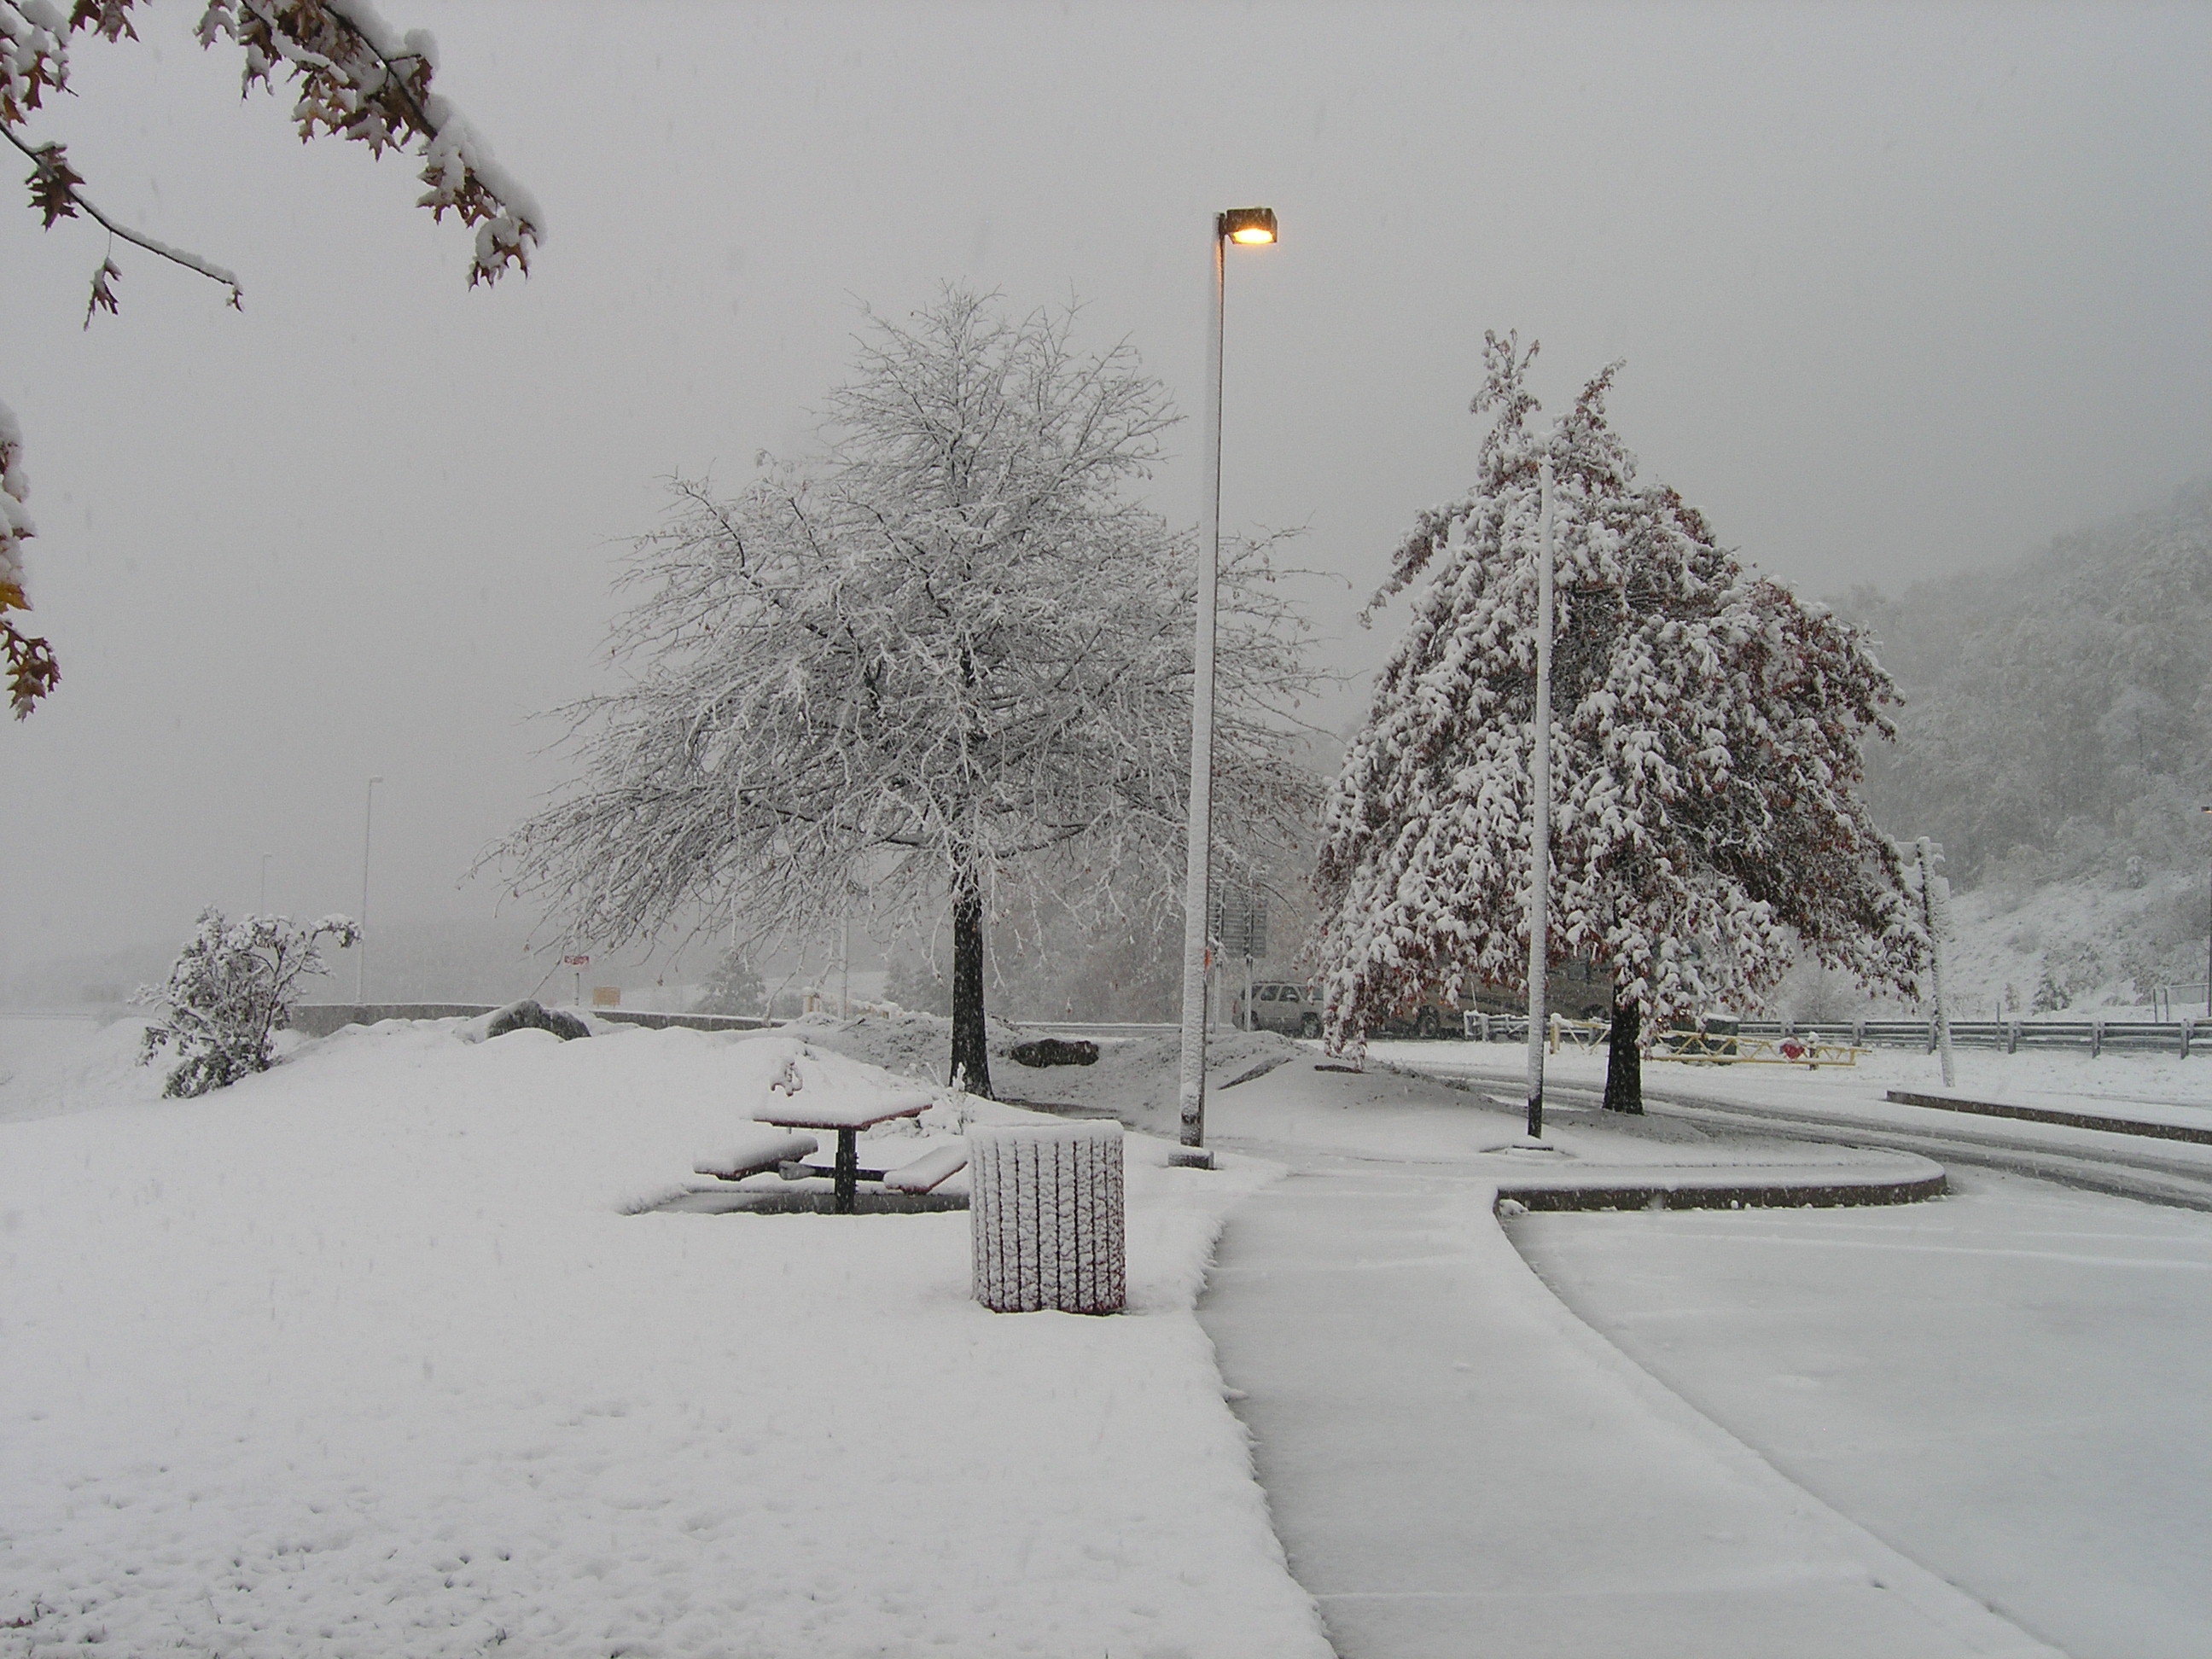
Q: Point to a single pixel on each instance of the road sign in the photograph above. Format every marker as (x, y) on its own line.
(1240, 922)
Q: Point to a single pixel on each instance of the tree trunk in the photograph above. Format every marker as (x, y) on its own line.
(1624, 1059)
(971, 1060)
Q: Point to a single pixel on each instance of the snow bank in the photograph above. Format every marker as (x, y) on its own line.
(363, 1356)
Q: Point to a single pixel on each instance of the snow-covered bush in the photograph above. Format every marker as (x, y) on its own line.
(229, 993)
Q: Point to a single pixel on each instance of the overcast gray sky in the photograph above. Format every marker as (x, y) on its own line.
(1901, 291)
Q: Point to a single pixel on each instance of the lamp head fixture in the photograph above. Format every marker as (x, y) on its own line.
(1253, 227)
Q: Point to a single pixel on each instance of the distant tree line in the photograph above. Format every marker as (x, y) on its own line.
(2054, 713)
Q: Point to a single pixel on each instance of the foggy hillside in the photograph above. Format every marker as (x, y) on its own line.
(2051, 741)
(2055, 712)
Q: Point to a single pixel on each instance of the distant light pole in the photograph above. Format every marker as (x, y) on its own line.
(1250, 227)
(1540, 834)
(2207, 948)
(360, 963)
(265, 857)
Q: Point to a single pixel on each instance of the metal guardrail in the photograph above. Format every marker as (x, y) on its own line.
(2011, 1035)
(2181, 1037)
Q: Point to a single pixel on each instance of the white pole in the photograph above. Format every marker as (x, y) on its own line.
(845, 961)
(1540, 839)
(1935, 908)
(265, 857)
(1199, 841)
(360, 962)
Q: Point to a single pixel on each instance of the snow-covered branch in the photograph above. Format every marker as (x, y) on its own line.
(354, 74)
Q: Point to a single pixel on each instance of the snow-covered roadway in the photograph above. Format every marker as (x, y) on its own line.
(1457, 1465)
(1848, 1108)
(2008, 1386)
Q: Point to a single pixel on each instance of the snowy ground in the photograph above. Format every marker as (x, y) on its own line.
(370, 1356)
(375, 1355)
(2008, 1386)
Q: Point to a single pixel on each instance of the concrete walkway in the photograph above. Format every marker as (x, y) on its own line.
(1459, 1467)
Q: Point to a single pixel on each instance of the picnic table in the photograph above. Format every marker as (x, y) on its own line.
(847, 1118)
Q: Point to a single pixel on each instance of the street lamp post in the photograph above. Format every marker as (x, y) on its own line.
(265, 857)
(1249, 227)
(360, 962)
(1540, 834)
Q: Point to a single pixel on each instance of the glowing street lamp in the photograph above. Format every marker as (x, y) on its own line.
(1248, 228)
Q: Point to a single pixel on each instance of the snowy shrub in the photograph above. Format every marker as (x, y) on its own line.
(229, 993)
(530, 1015)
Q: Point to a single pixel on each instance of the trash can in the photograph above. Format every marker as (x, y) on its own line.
(1045, 1218)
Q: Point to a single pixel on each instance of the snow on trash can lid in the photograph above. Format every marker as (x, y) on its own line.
(1085, 1129)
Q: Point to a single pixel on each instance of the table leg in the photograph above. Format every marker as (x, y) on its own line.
(848, 1167)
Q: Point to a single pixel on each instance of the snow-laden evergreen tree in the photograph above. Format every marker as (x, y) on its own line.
(230, 992)
(1705, 751)
(351, 74)
(734, 986)
(951, 658)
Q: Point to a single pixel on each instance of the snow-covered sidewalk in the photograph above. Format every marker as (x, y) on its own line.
(371, 1355)
(1458, 1465)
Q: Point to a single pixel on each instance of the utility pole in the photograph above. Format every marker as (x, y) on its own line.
(1936, 911)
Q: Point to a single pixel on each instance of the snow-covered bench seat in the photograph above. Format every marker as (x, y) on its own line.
(929, 1170)
(756, 1148)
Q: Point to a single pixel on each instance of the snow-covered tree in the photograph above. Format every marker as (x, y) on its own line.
(734, 987)
(230, 992)
(1705, 751)
(950, 657)
(352, 74)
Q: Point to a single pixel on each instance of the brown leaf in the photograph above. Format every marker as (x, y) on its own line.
(103, 295)
(53, 183)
